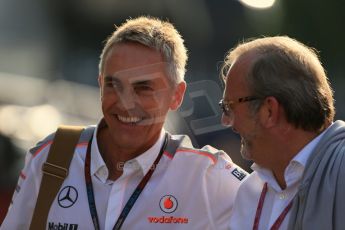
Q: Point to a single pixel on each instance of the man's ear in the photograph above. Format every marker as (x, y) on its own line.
(270, 112)
(178, 95)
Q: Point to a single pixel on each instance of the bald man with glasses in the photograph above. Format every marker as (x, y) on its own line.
(278, 99)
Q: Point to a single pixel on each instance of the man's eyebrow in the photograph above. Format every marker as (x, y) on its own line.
(111, 78)
(142, 82)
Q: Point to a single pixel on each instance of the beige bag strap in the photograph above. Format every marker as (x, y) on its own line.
(55, 170)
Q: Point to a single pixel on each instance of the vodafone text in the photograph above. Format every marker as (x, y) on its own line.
(167, 220)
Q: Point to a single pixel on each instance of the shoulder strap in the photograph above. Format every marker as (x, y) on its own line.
(55, 170)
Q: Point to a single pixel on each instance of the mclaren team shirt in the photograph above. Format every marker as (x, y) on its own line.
(189, 189)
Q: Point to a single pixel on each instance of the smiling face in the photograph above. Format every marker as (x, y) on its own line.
(243, 121)
(136, 96)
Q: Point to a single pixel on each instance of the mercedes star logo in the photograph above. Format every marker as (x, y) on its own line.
(67, 196)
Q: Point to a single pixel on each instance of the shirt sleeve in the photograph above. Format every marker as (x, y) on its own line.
(25, 195)
(224, 179)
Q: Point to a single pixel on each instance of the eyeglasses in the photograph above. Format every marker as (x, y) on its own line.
(228, 106)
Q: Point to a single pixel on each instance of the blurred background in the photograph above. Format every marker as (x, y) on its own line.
(49, 53)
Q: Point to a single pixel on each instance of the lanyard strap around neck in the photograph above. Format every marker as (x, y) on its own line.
(280, 218)
(131, 201)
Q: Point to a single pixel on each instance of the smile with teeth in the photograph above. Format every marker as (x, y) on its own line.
(129, 119)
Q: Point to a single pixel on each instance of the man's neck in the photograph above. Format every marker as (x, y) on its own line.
(287, 149)
(114, 156)
(279, 176)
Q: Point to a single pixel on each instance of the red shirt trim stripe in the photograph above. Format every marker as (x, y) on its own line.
(169, 155)
(42, 147)
(50, 142)
(213, 158)
(22, 175)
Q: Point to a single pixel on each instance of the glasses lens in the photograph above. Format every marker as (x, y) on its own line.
(224, 107)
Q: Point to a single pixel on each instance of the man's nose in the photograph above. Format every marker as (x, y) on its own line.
(226, 120)
(127, 99)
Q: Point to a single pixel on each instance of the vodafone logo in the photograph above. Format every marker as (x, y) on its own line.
(168, 204)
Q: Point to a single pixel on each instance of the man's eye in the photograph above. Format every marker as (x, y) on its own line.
(143, 88)
(108, 84)
(112, 84)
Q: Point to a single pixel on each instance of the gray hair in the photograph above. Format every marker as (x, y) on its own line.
(292, 73)
(156, 34)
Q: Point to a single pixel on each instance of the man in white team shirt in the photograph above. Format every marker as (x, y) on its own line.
(277, 97)
(141, 76)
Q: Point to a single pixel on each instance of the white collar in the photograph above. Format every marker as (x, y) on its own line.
(294, 171)
(302, 156)
(146, 159)
(143, 162)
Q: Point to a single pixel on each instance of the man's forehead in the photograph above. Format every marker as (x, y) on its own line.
(138, 70)
(151, 77)
(236, 82)
(149, 72)
(240, 67)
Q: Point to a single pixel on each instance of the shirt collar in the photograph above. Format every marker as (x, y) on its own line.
(144, 160)
(97, 162)
(295, 168)
(303, 155)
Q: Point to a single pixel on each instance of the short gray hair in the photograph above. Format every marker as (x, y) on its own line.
(292, 73)
(156, 34)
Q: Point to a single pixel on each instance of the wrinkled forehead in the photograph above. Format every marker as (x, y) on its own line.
(149, 72)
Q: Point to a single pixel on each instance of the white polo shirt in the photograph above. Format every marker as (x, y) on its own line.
(276, 199)
(189, 189)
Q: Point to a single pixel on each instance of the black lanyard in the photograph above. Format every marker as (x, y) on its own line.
(131, 201)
